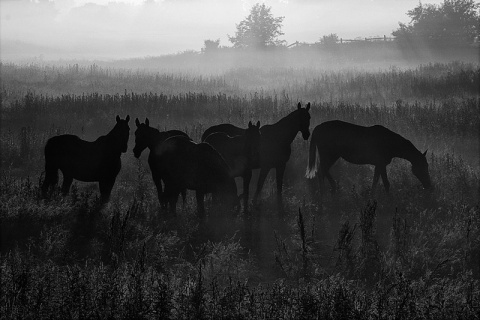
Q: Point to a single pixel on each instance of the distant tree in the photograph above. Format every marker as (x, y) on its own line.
(453, 21)
(259, 30)
(210, 45)
(329, 40)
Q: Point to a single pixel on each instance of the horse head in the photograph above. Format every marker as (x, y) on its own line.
(420, 170)
(252, 142)
(141, 137)
(304, 120)
(121, 133)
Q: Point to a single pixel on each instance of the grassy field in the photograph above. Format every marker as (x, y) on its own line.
(407, 254)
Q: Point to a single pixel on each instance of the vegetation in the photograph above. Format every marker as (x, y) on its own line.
(409, 254)
(452, 22)
(259, 30)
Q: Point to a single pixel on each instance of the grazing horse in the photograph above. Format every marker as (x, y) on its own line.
(375, 145)
(86, 161)
(240, 152)
(275, 146)
(184, 164)
(149, 137)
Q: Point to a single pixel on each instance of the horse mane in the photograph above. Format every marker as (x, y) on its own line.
(404, 148)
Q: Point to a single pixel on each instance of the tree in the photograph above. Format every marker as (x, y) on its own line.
(330, 40)
(211, 45)
(454, 21)
(259, 30)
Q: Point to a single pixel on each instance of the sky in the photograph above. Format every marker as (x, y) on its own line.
(113, 29)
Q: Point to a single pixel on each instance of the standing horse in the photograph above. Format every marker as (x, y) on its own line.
(149, 137)
(240, 152)
(86, 161)
(184, 164)
(275, 146)
(375, 145)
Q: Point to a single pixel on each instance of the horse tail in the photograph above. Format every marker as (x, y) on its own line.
(312, 161)
(51, 168)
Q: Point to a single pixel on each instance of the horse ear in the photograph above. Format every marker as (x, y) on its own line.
(137, 122)
(258, 123)
(147, 122)
(127, 118)
(250, 124)
(117, 118)
(299, 105)
(308, 106)
(425, 153)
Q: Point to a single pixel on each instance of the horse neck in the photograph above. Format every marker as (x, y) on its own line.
(406, 150)
(110, 141)
(285, 129)
(153, 138)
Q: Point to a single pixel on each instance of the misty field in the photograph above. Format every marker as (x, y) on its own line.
(407, 254)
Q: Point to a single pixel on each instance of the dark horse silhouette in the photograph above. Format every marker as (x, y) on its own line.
(240, 152)
(184, 164)
(86, 161)
(151, 138)
(375, 145)
(275, 146)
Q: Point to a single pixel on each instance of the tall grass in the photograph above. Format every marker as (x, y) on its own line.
(407, 254)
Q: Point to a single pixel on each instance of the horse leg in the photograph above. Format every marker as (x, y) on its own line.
(200, 205)
(386, 183)
(247, 177)
(106, 187)
(170, 197)
(67, 182)
(51, 178)
(158, 185)
(260, 182)
(376, 176)
(325, 164)
(280, 171)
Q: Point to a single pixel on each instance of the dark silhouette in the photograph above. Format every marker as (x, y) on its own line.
(227, 128)
(275, 144)
(151, 138)
(240, 152)
(184, 164)
(86, 161)
(375, 145)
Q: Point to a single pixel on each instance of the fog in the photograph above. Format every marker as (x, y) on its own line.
(102, 29)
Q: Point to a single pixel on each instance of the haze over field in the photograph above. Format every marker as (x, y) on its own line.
(102, 29)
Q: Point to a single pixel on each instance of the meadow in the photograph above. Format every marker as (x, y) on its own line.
(407, 254)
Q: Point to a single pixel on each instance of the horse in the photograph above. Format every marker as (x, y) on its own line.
(184, 164)
(240, 152)
(375, 145)
(275, 149)
(227, 128)
(86, 161)
(149, 137)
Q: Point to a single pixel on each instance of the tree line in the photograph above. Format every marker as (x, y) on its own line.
(452, 22)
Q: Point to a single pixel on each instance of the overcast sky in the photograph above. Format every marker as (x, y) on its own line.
(127, 28)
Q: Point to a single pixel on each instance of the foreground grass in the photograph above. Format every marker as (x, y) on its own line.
(408, 254)
(405, 255)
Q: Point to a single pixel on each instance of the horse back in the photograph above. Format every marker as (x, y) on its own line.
(83, 160)
(355, 143)
(171, 133)
(227, 128)
(192, 166)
